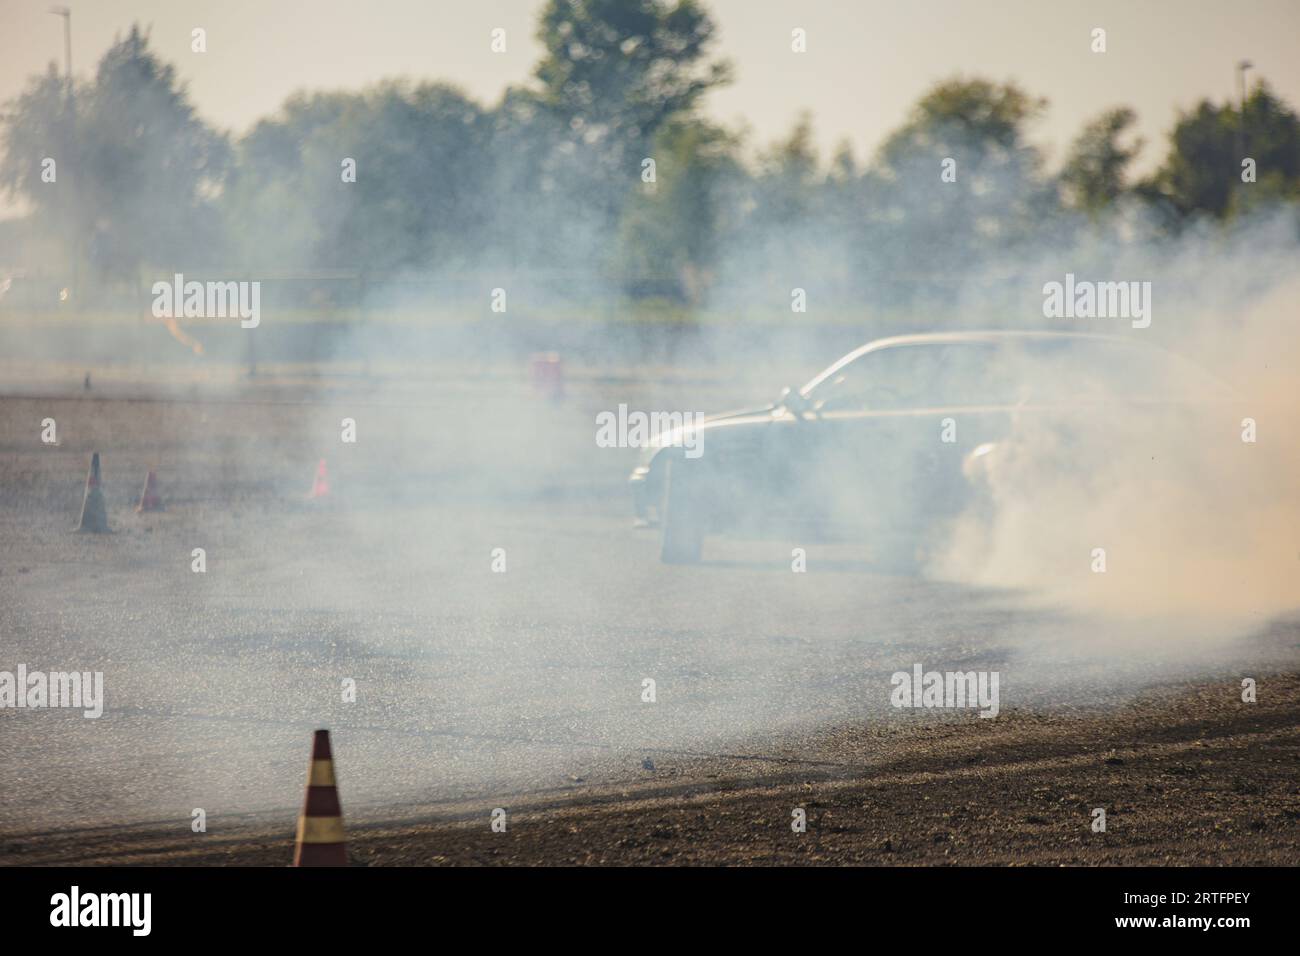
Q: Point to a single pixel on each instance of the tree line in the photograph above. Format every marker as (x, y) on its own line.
(602, 169)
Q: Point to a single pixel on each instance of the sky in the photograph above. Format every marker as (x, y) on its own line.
(867, 61)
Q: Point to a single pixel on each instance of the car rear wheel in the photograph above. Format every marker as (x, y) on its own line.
(684, 515)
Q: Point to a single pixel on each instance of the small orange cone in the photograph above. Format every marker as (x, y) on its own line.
(149, 500)
(320, 826)
(320, 487)
(94, 516)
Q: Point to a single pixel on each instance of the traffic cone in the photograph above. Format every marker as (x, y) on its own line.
(320, 826)
(149, 500)
(94, 517)
(320, 487)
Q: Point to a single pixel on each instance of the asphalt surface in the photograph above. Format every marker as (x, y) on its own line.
(472, 685)
(1186, 774)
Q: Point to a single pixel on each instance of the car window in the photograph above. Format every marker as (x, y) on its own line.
(920, 375)
(878, 379)
(1095, 371)
(1043, 371)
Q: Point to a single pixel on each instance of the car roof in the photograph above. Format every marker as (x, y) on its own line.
(987, 335)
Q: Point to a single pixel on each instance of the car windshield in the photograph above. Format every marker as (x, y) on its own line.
(1013, 372)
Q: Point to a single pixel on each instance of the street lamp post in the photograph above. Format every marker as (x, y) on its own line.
(1242, 67)
(66, 13)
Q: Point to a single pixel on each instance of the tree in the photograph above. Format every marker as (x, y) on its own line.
(670, 230)
(1202, 173)
(419, 198)
(784, 231)
(147, 165)
(38, 126)
(995, 196)
(787, 177)
(542, 211)
(615, 71)
(1093, 176)
(983, 120)
(135, 168)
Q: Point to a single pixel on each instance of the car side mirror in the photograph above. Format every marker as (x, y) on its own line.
(792, 399)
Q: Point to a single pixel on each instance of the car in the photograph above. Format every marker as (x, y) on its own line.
(888, 443)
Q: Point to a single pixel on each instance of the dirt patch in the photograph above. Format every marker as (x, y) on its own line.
(1187, 775)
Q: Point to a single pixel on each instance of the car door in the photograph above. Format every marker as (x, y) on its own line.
(830, 459)
(882, 445)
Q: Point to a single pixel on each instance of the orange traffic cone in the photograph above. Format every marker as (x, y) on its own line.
(320, 487)
(149, 500)
(320, 827)
(94, 516)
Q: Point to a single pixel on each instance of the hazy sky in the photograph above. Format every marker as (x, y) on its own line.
(867, 62)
